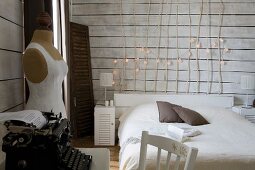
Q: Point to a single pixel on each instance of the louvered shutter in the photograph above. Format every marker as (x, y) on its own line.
(81, 87)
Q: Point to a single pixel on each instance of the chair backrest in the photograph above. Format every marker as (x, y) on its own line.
(172, 147)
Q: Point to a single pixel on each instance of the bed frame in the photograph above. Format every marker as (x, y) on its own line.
(124, 101)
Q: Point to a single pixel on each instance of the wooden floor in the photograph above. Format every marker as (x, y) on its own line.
(88, 142)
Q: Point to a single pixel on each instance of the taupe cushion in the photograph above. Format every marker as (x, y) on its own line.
(190, 116)
(166, 113)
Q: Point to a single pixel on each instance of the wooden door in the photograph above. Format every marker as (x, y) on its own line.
(81, 88)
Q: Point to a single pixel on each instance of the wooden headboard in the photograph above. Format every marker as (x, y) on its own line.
(123, 101)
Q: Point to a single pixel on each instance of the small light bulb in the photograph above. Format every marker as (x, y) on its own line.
(113, 82)
(190, 54)
(126, 60)
(137, 69)
(215, 44)
(23, 52)
(145, 62)
(198, 45)
(221, 40)
(158, 60)
(115, 61)
(169, 63)
(114, 72)
(222, 62)
(192, 40)
(207, 50)
(179, 60)
(137, 59)
(226, 50)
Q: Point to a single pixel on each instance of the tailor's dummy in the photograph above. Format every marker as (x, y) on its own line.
(45, 70)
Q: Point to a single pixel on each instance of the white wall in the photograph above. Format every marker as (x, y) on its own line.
(104, 21)
(11, 47)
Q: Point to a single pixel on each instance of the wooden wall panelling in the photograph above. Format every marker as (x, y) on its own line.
(11, 48)
(10, 65)
(106, 42)
(11, 36)
(12, 11)
(11, 93)
(154, 1)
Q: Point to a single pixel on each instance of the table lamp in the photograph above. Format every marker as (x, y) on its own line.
(247, 83)
(106, 80)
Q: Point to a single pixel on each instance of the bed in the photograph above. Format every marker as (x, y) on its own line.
(227, 143)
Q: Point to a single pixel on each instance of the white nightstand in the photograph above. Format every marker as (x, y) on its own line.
(104, 125)
(245, 112)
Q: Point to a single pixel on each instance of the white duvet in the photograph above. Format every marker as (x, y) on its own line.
(227, 143)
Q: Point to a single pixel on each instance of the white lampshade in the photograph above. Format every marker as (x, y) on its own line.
(247, 82)
(106, 79)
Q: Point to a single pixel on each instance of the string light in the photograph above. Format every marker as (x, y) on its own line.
(115, 61)
(226, 50)
(158, 60)
(145, 62)
(222, 62)
(221, 40)
(190, 54)
(114, 72)
(113, 83)
(192, 40)
(137, 70)
(126, 60)
(198, 45)
(169, 63)
(215, 44)
(180, 60)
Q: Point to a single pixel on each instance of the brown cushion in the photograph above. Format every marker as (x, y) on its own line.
(166, 113)
(190, 116)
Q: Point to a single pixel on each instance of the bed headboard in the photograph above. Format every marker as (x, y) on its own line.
(123, 101)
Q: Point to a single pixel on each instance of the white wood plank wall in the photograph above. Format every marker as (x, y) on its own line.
(11, 47)
(238, 31)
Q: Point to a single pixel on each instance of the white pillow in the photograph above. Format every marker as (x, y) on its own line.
(144, 112)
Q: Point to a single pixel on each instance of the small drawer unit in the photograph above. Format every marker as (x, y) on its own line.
(248, 113)
(104, 125)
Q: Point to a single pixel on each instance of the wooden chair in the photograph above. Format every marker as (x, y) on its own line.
(172, 146)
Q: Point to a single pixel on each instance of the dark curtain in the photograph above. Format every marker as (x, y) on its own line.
(32, 9)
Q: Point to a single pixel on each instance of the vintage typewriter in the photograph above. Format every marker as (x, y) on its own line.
(28, 148)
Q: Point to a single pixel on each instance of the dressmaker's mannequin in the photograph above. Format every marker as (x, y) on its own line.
(45, 70)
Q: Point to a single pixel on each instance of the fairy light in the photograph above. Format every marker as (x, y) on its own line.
(115, 61)
(198, 45)
(221, 40)
(169, 63)
(192, 40)
(137, 70)
(159, 43)
(158, 60)
(126, 60)
(226, 50)
(146, 44)
(222, 62)
(215, 44)
(180, 60)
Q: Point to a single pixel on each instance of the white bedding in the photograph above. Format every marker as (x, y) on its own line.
(227, 143)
